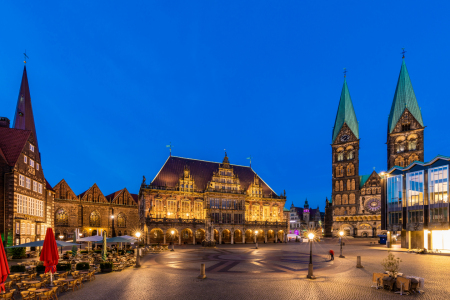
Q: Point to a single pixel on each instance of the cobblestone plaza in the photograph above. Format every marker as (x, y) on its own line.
(274, 271)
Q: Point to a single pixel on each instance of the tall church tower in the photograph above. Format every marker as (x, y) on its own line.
(345, 158)
(405, 140)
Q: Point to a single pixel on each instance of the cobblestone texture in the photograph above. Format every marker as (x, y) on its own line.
(173, 275)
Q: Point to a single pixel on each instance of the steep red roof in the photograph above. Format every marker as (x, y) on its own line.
(202, 172)
(112, 196)
(135, 197)
(12, 142)
(48, 186)
(23, 118)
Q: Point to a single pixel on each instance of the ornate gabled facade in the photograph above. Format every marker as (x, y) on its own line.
(24, 191)
(304, 218)
(193, 200)
(405, 138)
(91, 213)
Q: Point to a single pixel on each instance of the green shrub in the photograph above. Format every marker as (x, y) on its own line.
(18, 253)
(106, 265)
(63, 267)
(98, 251)
(83, 251)
(83, 266)
(40, 268)
(17, 268)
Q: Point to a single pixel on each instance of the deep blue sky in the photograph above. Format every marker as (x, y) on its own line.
(113, 82)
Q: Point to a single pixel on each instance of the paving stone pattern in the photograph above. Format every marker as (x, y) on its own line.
(271, 272)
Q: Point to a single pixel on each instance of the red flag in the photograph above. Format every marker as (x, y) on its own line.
(49, 253)
(4, 268)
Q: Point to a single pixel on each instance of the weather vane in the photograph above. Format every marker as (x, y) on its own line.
(25, 56)
(345, 72)
(170, 148)
(403, 53)
(250, 157)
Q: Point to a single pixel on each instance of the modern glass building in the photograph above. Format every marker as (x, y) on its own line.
(416, 204)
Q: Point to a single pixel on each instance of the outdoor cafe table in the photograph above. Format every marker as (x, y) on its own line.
(41, 290)
(69, 280)
(31, 282)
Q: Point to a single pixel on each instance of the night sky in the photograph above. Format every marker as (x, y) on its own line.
(113, 82)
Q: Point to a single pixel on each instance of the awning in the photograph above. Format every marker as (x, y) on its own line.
(120, 239)
(94, 238)
(41, 243)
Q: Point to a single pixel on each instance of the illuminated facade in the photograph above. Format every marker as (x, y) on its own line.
(302, 219)
(193, 200)
(417, 204)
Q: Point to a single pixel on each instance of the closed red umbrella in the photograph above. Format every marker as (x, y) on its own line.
(4, 268)
(49, 253)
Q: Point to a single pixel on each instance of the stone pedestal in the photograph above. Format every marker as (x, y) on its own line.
(310, 272)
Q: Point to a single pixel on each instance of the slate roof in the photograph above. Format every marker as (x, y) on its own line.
(363, 179)
(48, 186)
(345, 114)
(12, 142)
(202, 172)
(404, 97)
(23, 118)
(113, 196)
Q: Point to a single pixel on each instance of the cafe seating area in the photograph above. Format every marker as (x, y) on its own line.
(400, 283)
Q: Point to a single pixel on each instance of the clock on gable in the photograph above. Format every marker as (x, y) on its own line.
(345, 138)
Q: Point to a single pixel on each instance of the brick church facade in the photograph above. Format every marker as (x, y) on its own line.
(356, 199)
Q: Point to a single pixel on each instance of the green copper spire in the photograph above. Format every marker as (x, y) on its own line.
(404, 98)
(345, 114)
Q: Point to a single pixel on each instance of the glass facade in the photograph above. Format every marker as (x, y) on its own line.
(438, 194)
(394, 195)
(414, 194)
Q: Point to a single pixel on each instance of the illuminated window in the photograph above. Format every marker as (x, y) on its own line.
(94, 219)
(61, 218)
(31, 148)
(438, 194)
(121, 220)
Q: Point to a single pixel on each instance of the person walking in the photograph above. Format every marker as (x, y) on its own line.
(332, 254)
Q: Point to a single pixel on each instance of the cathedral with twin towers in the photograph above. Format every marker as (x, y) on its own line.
(356, 199)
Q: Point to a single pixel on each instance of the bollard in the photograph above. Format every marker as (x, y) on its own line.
(358, 262)
(202, 272)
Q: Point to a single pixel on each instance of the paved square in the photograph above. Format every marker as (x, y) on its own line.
(274, 271)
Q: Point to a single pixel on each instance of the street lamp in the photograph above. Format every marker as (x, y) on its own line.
(138, 260)
(310, 267)
(173, 243)
(256, 240)
(112, 223)
(341, 234)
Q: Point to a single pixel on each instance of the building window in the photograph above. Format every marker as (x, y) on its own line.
(28, 183)
(171, 209)
(94, 219)
(31, 162)
(40, 188)
(21, 180)
(17, 227)
(121, 221)
(34, 186)
(25, 159)
(340, 155)
(37, 166)
(412, 159)
(395, 194)
(61, 218)
(399, 161)
(31, 148)
(438, 194)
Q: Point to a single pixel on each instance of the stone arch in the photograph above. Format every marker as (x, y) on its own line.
(270, 236)
(121, 220)
(336, 211)
(186, 236)
(412, 158)
(260, 236)
(280, 235)
(94, 219)
(341, 185)
(237, 236)
(216, 235)
(340, 154)
(226, 236)
(399, 161)
(353, 185)
(171, 235)
(350, 169)
(348, 185)
(352, 199)
(61, 217)
(248, 236)
(338, 200)
(199, 235)
(336, 185)
(344, 199)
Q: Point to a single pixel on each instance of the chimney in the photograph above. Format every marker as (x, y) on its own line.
(4, 122)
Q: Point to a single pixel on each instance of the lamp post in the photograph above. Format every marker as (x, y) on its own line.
(138, 258)
(173, 243)
(256, 239)
(61, 238)
(112, 223)
(341, 234)
(310, 267)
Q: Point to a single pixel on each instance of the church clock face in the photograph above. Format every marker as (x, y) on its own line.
(345, 138)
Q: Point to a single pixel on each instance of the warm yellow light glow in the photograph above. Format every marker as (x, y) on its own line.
(138, 234)
(172, 232)
(341, 233)
(80, 234)
(61, 236)
(311, 236)
(256, 232)
(440, 239)
(90, 229)
(112, 217)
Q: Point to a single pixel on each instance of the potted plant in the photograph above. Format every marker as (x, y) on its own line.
(17, 269)
(106, 267)
(391, 264)
(82, 266)
(18, 253)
